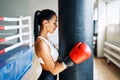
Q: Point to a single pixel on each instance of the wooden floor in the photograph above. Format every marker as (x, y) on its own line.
(105, 71)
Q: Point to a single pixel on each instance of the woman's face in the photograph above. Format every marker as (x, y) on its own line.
(52, 24)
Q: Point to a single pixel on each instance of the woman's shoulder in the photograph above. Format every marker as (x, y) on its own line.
(40, 43)
(41, 47)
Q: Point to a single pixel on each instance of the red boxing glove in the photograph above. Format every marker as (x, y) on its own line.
(80, 52)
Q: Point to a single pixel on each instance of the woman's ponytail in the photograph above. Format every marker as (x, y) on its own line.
(36, 24)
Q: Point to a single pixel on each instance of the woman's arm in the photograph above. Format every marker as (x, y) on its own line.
(43, 51)
(79, 53)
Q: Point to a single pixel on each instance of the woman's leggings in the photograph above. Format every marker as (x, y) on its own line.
(46, 75)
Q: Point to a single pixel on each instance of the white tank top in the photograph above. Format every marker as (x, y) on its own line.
(54, 51)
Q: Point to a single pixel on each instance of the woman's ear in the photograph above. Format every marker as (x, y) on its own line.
(45, 22)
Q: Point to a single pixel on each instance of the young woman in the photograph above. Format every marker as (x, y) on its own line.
(45, 22)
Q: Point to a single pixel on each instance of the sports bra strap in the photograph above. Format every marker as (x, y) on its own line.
(44, 40)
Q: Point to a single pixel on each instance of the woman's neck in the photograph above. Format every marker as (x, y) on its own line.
(43, 34)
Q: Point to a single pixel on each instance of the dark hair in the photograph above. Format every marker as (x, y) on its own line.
(45, 14)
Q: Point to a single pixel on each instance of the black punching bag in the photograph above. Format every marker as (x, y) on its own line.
(75, 24)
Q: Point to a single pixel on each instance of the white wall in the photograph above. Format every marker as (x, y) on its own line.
(15, 8)
(113, 12)
(107, 14)
(113, 34)
(101, 27)
(113, 21)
